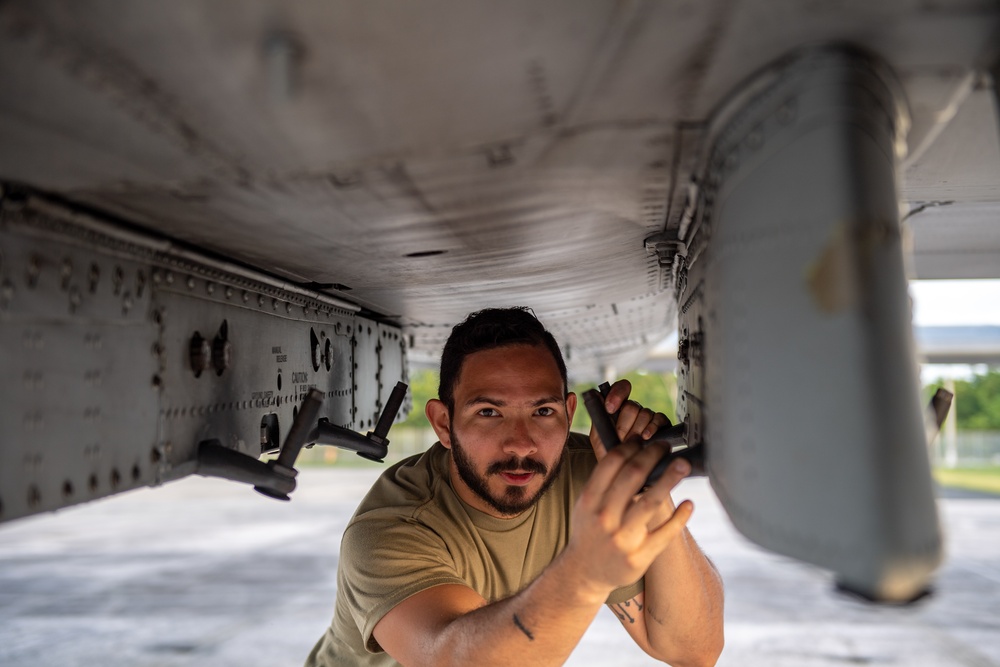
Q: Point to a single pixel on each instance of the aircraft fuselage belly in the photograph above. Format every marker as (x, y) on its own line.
(123, 353)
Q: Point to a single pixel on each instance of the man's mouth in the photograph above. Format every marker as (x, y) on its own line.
(516, 478)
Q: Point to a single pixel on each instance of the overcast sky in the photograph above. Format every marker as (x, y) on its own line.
(955, 302)
(938, 303)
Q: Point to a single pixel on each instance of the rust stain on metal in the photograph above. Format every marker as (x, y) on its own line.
(831, 278)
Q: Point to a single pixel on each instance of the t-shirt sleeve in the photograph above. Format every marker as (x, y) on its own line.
(624, 593)
(385, 561)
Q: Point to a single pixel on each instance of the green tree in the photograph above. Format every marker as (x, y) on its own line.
(977, 402)
(655, 391)
(423, 387)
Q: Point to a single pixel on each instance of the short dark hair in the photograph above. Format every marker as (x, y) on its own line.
(488, 329)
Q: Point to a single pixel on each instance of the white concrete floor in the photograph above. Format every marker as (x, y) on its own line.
(205, 572)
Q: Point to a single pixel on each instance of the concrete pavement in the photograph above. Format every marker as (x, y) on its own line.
(207, 572)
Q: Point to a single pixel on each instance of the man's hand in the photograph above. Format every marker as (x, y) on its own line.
(617, 534)
(680, 619)
(633, 420)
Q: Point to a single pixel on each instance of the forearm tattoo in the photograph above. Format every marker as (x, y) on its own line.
(523, 628)
(625, 610)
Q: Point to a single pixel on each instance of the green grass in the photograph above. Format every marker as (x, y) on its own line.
(985, 479)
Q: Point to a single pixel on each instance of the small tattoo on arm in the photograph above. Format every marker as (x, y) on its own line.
(653, 615)
(622, 610)
(522, 628)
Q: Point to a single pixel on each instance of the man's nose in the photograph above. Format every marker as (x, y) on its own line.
(520, 441)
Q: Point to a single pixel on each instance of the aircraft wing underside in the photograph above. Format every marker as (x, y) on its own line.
(212, 208)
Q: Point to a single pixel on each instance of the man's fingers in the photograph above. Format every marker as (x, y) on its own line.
(660, 530)
(632, 474)
(659, 421)
(617, 396)
(638, 525)
(606, 474)
(595, 441)
(677, 470)
(674, 525)
(655, 528)
(633, 419)
(655, 506)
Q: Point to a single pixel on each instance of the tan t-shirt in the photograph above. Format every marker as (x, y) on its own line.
(412, 532)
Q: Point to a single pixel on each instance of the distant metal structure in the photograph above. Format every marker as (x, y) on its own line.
(964, 344)
(958, 344)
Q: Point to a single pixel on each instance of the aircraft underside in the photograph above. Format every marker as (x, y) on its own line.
(219, 217)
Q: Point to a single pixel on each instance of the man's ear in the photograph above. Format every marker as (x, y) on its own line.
(437, 414)
(570, 406)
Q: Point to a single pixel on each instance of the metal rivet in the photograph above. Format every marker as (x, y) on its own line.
(34, 496)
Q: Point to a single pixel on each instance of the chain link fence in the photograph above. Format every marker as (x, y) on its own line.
(967, 449)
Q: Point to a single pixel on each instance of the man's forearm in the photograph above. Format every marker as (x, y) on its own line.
(540, 625)
(684, 605)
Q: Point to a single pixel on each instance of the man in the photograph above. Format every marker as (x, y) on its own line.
(499, 544)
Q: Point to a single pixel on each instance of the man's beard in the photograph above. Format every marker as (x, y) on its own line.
(515, 499)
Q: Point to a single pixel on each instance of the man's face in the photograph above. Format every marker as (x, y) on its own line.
(508, 430)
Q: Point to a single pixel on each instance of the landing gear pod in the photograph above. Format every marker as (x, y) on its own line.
(793, 287)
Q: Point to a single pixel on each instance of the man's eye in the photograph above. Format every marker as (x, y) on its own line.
(545, 412)
(488, 412)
